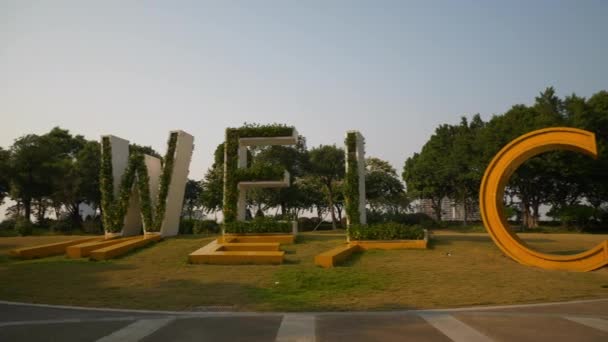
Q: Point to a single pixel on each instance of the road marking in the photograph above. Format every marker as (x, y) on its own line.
(68, 320)
(297, 328)
(454, 329)
(596, 323)
(257, 314)
(136, 331)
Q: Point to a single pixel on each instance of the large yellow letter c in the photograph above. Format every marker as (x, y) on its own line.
(492, 189)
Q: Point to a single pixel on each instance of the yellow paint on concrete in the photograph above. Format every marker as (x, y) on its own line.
(392, 244)
(49, 249)
(492, 189)
(84, 249)
(341, 253)
(336, 255)
(113, 251)
(216, 253)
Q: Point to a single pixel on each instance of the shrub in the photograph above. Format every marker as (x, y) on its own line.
(305, 224)
(63, 225)
(206, 226)
(24, 227)
(257, 225)
(186, 226)
(45, 223)
(424, 220)
(8, 224)
(386, 231)
(92, 226)
(578, 214)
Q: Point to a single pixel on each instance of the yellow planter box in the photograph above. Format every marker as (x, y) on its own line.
(341, 253)
(50, 249)
(84, 249)
(113, 251)
(235, 253)
(391, 244)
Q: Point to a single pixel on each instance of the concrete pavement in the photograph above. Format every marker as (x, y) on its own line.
(571, 321)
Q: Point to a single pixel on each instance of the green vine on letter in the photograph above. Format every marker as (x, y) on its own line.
(136, 174)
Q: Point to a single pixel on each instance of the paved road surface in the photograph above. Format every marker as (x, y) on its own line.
(572, 321)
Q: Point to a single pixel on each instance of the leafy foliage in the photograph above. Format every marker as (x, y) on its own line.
(114, 211)
(257, 225)
(386, 231)
(451, 164)
(233, 175)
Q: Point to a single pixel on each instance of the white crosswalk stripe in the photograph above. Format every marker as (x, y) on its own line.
(453, 328)
(596, 323)
(297, 328)
(136, 331)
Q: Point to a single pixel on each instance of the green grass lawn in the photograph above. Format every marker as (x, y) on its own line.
(459, 270)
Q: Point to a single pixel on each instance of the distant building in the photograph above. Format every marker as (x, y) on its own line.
(450, 210)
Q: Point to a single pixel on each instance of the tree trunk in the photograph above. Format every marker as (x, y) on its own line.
(41, 211)
(27, 208)
(464, 210)
(75, 212)
(535, 214)
(331, 207)
(526, 216)
(339, 214)
(437, 207)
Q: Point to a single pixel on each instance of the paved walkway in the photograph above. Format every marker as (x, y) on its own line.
(572, 321)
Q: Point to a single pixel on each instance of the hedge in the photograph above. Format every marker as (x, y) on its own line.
(386, 231)
(257, 225)
(136, 174)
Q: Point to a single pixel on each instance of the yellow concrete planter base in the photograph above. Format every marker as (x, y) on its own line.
(123, 247)
(233, 249)
(50, 249)
(341, 253)
(84, 249)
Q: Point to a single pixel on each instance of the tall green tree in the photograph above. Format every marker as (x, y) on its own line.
(294, 159)
(5, 174)
(33, 163)
(432, 173)
(326, 163)
(192, 197)
(384, 190)
(212, 185)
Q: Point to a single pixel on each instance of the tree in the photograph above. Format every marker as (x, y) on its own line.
(432, 173)
(34, 164)
(5, 175)
(212, 185)
(192, 197)
(326, 163)
(291, 158)
(78, 162)
(384, 190)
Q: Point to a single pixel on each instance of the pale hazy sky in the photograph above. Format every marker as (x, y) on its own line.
(392, 69)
